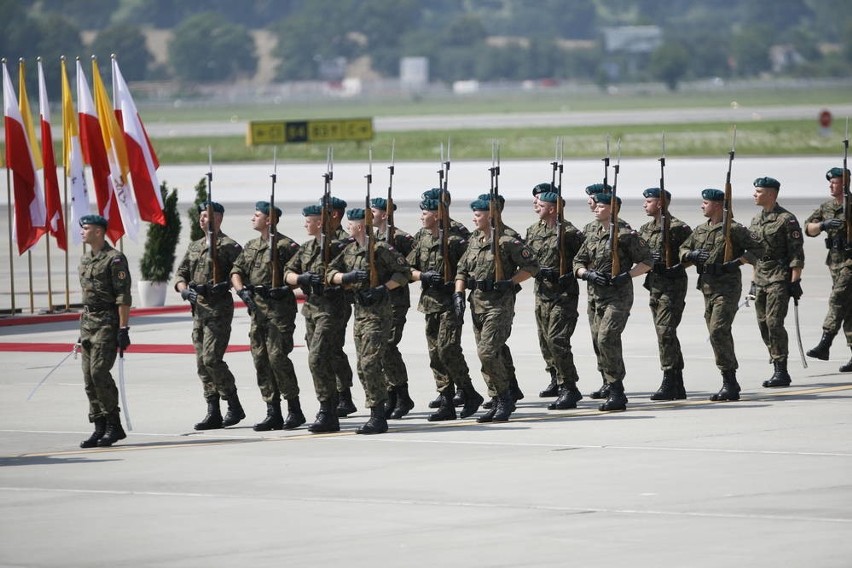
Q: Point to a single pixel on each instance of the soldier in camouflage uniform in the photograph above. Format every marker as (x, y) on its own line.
(611, 295)
(443, 328)
(552, 389)
(720, 282)
(273, 318)
(105, 283)
(373, 312)
(777, 274)
(396, 375)
(212, 313)
(829, 217)
(492, 300)
(556, 296)
(323, 308)
(667, 284)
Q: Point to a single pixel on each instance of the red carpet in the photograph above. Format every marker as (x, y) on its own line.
(134, 348)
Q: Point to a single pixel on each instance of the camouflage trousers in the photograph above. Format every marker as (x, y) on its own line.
(491, 330)
(321, 328)
(99, 348)
(590, 313)
(271, 341)
(395, 372)
(771, 304)
(720, 308)
(210, 337)
(556, 322)
(667, 306)
(339, 359)
(840, 304)
(609, 318)
(446, 359)
(371, 331)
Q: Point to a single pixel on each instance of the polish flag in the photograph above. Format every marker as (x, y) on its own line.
(73, 159)
(52, 201)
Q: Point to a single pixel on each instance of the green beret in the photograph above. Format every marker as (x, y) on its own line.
(430, 204)
(606, 199)
(311, 210)
(713, 194)
(435, 193)
(767, 182)
(480, 205)
(336, 203)
(655, 192)
(355, 214)
(93, 220)
(548, 197)
(542, 188)
(381, 203)
(217, 207)
(486, 197)
(263, 207)
(597, 188)
(835, 173)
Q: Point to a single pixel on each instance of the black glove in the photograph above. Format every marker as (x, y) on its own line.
(596, 278)
(565, 280)
(459, 304)
(431, 278)
(304, 280)
(278, 293)
(503, 285)
(221, 287)
(731, 266)
(248, 299)
(547, 274)
(123, 338)
(830, 224)
(697, 256)
(189, 295)
(354, 276)
(372, 296)
(620, 278)
(795, 289)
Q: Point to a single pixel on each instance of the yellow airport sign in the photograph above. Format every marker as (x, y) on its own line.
(296, 131)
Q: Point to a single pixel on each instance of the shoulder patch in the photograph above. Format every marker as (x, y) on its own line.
(753, 235)
(525, 253)
(122, 275)
(400, 261)
(796, 235)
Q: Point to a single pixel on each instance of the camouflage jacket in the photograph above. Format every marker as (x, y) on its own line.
(105, 281)
(390, 265)
(426, 256)
(596, 254)
(652, 233)
(477, 263)
(403, 243)
(541, 239)
(835, 239)
(711, 238)
(254, 267)
(196, 269)
(781, 236)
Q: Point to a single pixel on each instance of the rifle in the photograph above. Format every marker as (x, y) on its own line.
(847, 198)
(391, 230)
(613, 216)
(606, 164)
(444, 212)
(212, 253)
(560, 208)
(665, 220)
(325, 216)
(494, 210)
(274, 260)
(368, 227)
(728, 213)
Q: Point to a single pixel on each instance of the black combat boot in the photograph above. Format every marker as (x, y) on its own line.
(295, 416)
(327, 419)
(447, 411)
(376, 424)
(680, 390)
(569, 396)
(847, 368)
(667, 390)
(492, 410)
(404, 404)
(114, 432)
(505, 407)
(780, 378)
(459, 398)
(390, 403)
(235, 411)
(100, 428)
(489, 404)
(213, 420)
(821, 350)
(515, 389)
(602, 392)
(617, 400)
(730, 387)
(274, 420)
(345, 406)
(552, 389)
(472, 401)
(435, 402)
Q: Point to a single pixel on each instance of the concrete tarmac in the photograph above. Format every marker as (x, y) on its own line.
(759, 482)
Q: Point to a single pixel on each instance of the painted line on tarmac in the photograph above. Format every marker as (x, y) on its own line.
(433, 503)
(592, 411)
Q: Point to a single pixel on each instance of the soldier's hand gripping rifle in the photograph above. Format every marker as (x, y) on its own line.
(728, 213)
(274, 260)
(558, 165)
(444, 213)
(613, 216)
(372, 271)
(665, 220)
(391, 230)
(494, 211)
(212, 252)
(326, 212)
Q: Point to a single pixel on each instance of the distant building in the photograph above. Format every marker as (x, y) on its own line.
(628, 48)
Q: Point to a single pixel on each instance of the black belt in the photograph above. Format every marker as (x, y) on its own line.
(91, 308)
(711, 269)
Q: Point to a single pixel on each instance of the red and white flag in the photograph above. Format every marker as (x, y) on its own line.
(52, 201)
(95, 155)
(73, 159)
(140, 153)
(29, 204)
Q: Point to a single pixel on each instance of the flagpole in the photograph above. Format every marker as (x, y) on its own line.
(11, 254)
(49, 285)
(67, 237)
(30, 279)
